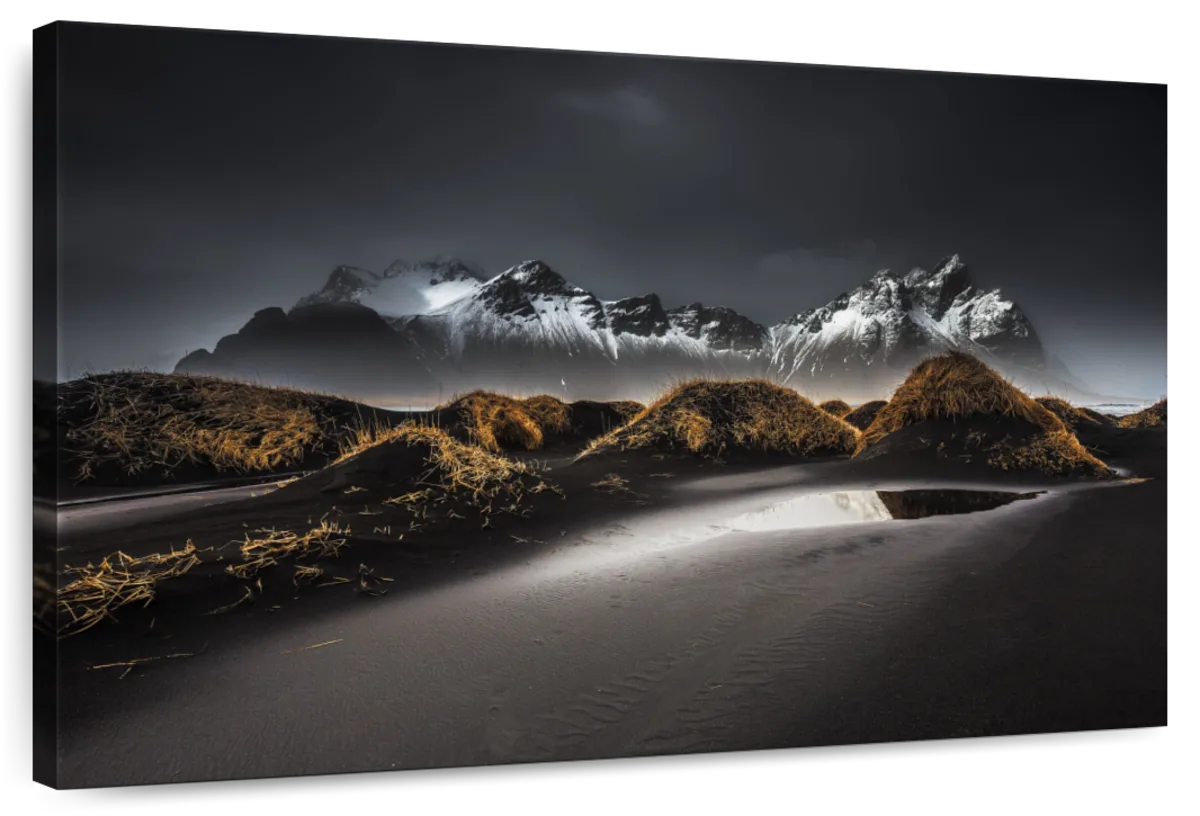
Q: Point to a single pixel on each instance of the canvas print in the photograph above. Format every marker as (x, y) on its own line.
(405, 405)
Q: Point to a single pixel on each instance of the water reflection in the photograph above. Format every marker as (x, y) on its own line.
(858, 506)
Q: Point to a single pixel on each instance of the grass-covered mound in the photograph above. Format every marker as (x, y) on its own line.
(956, 406)
(551, 414)
(410, 482)
(839, 408)
(142, 427)
(720, 418)
(500, 423)
(495, 422)
(862, 416)
(1150, 417)
(1074, 418)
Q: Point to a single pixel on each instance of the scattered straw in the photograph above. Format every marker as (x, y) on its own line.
(120, 579)
(265, 547)
(614, 484)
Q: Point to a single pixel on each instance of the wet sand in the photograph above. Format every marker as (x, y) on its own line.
(627, 629)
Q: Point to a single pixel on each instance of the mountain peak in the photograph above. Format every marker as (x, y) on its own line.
(447, 268)
(344, 284)
(531, 270)
(537, 278)
(396, 268)
(642, 315)
(948, 268)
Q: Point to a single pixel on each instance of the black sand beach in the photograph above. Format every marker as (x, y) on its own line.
(635, 621)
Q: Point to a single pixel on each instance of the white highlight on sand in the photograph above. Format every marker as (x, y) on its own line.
(814, 510)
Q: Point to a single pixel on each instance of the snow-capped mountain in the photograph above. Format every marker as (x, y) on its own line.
(867, 337)
(402, 288)
(529, 330)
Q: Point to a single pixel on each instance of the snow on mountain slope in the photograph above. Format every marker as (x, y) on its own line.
(402, 289)
(528, 305)
(886, 325)
(531, 305)
(530, 330)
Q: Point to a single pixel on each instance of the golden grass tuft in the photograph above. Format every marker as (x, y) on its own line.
(955, 386)
(497, 423)
(1156, 414)
(460, 468)
(839, 408)
(94, 592)
(551, 414)
(456, 467)
(365, 436)
(143, 421)
(713, 417)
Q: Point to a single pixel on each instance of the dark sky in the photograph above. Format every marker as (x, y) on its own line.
(207, 175)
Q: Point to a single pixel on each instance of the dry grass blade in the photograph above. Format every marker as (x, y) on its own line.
(247, 598)
(130, 665)
(313, 646)
(94, 592)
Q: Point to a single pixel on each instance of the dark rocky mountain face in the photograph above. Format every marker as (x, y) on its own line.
(721, 328)
(337, 348)
(346, 284)
(642, 316)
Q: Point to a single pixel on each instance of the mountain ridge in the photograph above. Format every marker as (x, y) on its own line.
(528, 329)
